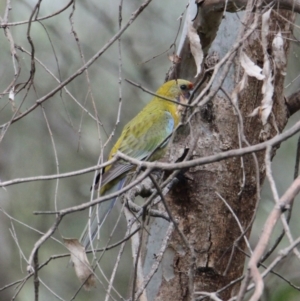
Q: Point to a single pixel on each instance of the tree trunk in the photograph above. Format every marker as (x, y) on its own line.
(196, 201)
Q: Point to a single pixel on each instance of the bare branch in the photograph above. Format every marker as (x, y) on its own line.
(284, 201)
(238, 5)
(39, 101)
(293, 102)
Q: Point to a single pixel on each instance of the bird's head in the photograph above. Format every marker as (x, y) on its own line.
(173, 89)
(178, 90)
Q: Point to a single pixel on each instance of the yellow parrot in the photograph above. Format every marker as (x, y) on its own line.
(145, 137)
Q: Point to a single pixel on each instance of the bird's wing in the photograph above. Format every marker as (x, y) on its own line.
(146, 135)
(116, 170)
(139, 140)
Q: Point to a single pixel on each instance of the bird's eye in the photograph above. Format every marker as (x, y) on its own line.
(183, 87)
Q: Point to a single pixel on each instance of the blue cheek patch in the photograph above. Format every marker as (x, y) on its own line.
(170, 125)
(169, 130)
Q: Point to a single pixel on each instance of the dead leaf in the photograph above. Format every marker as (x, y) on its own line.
(11, 97)
(265, 27)
(195, 46)
(279, 53)
(174, 58)
(267, 102)
(83, 270)
(250, 68)
(267, 88)
(239, 88)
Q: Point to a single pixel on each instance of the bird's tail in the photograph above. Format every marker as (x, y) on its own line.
(99, 216)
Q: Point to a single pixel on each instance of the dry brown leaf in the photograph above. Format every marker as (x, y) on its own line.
(195, 46)
(267, 88)
(267, 102)
(278, 53)
(239, 88)
(11, 98)
(83, 270)
(174, 58)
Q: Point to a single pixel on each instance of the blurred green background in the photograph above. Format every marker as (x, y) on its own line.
(27, 150)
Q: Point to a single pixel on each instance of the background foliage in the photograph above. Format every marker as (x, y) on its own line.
(27, 147)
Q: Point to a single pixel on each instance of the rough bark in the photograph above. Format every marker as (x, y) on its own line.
(208, 224)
